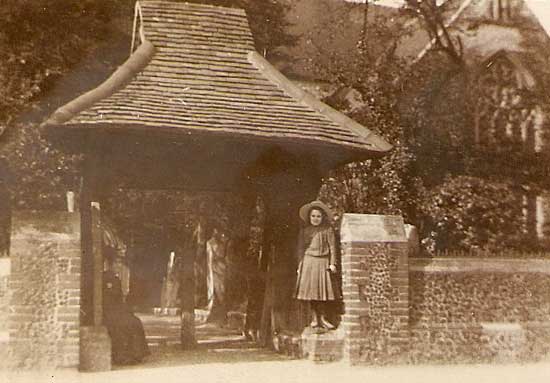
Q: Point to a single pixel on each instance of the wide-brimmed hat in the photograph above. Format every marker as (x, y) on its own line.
(304, 210)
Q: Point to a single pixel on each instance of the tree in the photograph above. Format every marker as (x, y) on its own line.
(432, 15)
(40, 41)
(387, 185)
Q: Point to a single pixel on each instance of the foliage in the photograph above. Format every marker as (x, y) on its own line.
(380, 186)
(435, 104)
(386, 185)
(469, 213)
(40, 40)
(39, 174)
(176, 213)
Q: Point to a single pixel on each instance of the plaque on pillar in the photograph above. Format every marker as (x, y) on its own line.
(372, 228)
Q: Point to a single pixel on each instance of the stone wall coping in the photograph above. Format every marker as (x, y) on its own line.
(484, 265)
(502, 326)
(369, 228)
(54, 222)
(5, 266)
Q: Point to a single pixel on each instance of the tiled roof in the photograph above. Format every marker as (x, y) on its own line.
(203, 75)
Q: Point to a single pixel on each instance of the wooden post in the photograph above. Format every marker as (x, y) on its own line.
(286, 184)
(95, 344)
(280, 238)
(91, 237)
(97, 238)
(187, 332)
(87, 264)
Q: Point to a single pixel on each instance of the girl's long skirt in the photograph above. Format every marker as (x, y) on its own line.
(315, 282)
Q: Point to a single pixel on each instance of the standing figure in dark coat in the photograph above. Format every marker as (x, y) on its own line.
(317, 262)
(128, 342)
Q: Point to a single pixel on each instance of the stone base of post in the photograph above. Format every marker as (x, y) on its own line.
(187, 335)
(95, 349)
(323, 346)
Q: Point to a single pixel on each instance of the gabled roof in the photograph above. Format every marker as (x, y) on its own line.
(528, 70)
(197, 71)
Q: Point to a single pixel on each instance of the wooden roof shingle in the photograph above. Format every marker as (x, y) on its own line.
(197, 71)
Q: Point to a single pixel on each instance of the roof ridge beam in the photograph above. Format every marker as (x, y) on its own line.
(118, 80)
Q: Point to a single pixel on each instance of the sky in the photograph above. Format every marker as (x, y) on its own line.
(541, 8)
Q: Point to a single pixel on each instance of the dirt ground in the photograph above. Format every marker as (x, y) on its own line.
(295, 371)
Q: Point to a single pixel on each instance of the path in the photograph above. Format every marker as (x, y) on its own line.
(224, 357)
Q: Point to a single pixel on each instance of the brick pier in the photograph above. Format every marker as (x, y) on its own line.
(375, 288)
(45, 289)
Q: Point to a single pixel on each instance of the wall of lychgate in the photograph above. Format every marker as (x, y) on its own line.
(44, 290)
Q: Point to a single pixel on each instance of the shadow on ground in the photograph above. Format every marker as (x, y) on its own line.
(215, 345)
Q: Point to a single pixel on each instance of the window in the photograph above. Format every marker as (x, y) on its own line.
(507, 110)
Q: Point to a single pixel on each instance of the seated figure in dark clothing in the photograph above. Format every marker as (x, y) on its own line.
(128, 342)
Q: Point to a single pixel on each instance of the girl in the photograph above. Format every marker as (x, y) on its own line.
(317, 256)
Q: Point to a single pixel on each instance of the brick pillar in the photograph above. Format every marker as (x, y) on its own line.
(375, 288)
(45, 289)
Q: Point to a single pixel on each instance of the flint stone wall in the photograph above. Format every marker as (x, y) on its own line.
(479, 310)
(45, 289)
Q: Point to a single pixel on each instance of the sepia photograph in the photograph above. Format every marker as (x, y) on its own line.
(274, 191)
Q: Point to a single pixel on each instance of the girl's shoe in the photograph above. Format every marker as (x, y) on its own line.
(326, 324)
